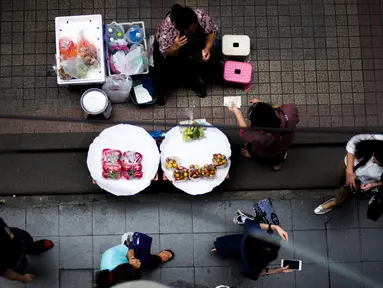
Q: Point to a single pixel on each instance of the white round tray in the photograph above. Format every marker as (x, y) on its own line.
(124, 138)
(198, 152)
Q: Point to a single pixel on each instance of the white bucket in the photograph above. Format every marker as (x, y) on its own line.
(96, 104)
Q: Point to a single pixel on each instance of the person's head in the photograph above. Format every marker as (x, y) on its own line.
(259, 252)
(184, 18)
(122, 273)
(263, 115)
(369, 149)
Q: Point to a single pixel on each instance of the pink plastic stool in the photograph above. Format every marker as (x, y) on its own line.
(238, 72)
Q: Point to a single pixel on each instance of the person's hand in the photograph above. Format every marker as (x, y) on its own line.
(286, 269)
(180, 41)
(282, 233)
(255, 101)
(206, 54)
(135, 263)
(233, 108)
(368, 186)
(351, 180)
(28, 278)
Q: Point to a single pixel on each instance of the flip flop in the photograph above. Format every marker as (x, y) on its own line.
(171, 258)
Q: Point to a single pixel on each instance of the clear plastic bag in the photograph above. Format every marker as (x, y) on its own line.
(118, 87)
(87, 51)
(73, 68)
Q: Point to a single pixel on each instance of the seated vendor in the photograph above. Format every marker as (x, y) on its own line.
(184, 51)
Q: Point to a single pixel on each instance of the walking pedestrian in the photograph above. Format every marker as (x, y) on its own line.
(125, 262)
(257, 247)
(15, 245)
(268, 147)
(184, 51)
(364, 168)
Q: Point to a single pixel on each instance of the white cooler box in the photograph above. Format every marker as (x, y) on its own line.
(71, 26)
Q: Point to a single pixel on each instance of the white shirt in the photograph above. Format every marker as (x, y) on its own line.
(371, 172)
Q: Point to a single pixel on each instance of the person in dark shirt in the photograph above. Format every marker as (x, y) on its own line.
(269, 147)
(15, 244)
(257, 247)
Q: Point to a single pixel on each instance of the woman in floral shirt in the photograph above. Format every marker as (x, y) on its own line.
(183, 50)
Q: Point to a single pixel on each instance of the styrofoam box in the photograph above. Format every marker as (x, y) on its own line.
(141, 24)
(91, 25)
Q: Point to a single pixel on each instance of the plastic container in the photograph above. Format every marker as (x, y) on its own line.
(92, 27)
(141, 81)
(115, 31)
(126, 27)
(134, 35)
(96, 104)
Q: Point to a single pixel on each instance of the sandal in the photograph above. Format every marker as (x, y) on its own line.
(166, 258)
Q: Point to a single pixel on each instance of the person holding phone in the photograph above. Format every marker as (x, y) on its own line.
(184, 51)
(264, 146)
(257, 247)
(123, 263)
(364, 167)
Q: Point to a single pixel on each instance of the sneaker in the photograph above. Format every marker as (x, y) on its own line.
(241, 217)
(320, 210)
(40, 246)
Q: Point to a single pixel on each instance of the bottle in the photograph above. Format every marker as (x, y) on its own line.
(115, 31)
(134, 35)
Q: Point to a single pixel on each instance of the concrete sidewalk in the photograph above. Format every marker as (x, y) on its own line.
(342, 242)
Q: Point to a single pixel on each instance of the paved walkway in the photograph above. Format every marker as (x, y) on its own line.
(336, 250)
(326, 56)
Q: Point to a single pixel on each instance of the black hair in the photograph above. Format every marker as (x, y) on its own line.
(260, 253)
(122, 273)
(183, 17)
(365, 149)
(263, 115)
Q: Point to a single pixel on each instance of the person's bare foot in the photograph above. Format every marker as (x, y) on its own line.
(245, 153)
(213, 250)
(166, 255)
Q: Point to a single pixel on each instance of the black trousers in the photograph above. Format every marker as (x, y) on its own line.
(26, 246)
(154, 261)
(173, 72)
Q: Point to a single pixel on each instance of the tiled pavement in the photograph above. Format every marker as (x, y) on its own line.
(324, 55)
(337, 250)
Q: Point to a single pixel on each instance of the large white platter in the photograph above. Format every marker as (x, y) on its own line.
(125, 138)
(198, 152)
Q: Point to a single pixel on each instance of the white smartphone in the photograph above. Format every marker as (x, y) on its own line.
(293, 264)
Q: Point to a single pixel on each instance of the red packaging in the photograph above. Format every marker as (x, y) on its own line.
(111, 155)
(111, 164)
(111, 170)
(131, 165)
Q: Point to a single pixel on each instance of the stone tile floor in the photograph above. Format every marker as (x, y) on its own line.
(326, 56)
(341, 249)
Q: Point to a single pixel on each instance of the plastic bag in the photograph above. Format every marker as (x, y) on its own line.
(111, 164)
(209, 171)
(171, 163)
(87, 51)
(135, 61)
(195, 172)
(131, 165)
(180, 174)
(68, 49)
(118, 87)
(73, 68)
(220, 161)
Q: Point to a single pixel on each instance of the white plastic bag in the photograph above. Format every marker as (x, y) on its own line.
(135, 61)
(118, 87)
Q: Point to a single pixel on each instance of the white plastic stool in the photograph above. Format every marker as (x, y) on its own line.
(236, 45)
